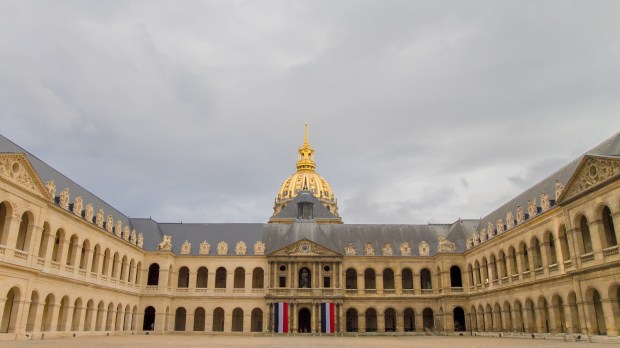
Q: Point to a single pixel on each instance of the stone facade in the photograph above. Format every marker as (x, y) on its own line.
(552, 272)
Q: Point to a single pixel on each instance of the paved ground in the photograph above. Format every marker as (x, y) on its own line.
(296, 342)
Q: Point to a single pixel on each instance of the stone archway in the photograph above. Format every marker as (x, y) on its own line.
(304, 323)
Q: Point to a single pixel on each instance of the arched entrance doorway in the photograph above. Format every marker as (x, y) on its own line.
(149, 319)
(459, 319)
(305, 318)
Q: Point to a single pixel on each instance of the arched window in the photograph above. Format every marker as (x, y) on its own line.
(183, 278)
(23, 235)
(305, 278)
(5, 216)
(371, 320)
(237, 320)
(45, 237)
(218, 320)
(59, 242)
(202, 277)
(552, 253)
(609, 229)
(390, 320)
(535, 245)
(351, 279)
(11, 307)
(220, 278)
(257, 320)
(351, 320)
(459, 319)
(388, 279)
(239, 281)
(407, 279)
(258, 278)
(428, 319)
(586, 239)
(369, 279)
(425, 279)
(564, 243)
(199, 319)
(409, 320)
(455, 277)
(71, 253)
(153, 277)
(180, 319)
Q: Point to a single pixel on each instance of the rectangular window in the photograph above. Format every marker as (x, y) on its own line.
(327, 282)
(282, 282)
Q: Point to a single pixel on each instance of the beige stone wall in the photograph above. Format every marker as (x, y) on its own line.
(556, 286)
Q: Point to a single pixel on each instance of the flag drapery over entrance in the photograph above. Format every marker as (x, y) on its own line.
(327, 318)
(280, 321)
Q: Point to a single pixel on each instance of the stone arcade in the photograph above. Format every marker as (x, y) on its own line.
(545, 264)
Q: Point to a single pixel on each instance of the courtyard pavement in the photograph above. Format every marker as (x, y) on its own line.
(292, 341)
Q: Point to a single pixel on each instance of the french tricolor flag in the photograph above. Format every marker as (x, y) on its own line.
(327, 318)
(281, 318)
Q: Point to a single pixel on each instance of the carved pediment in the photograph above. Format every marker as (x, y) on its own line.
(304, 247)
(591, 172)
(16, 169)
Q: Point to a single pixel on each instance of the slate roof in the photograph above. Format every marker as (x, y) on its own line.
(47, 173)
(610, 147)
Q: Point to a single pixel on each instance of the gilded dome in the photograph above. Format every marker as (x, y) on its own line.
(306, 178)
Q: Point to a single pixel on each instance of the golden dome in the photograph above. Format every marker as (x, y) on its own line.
(306, 179)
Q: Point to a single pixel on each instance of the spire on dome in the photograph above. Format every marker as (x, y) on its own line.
(305, 161)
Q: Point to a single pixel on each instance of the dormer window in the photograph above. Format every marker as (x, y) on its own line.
(304, 211)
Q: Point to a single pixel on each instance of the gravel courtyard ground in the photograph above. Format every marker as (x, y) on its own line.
(292, 341)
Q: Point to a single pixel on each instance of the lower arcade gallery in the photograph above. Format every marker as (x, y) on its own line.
(545, 264)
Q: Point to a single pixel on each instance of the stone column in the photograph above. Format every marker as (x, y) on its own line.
(419, 325)
(62, 254)
(380, 320)
(361, 321)
(230, 282)
(292, 317)
(211, 280)
(379, 283)
(360, 283)
(272, 274)
(530, 260)
(610, 319)
(55, 312)
(616, 217)
(398, 283)
(544, 251)
(12, 230)
(248, 285)
(552, 327)
(597, 233)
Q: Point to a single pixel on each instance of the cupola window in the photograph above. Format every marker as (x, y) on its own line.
(304, 211)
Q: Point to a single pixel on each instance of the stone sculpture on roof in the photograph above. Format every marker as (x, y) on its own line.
(349, 249)
(444, 245)
(205, 247)
(369, 249)
(89, 212)
(423, 248)
(132, 237)
(99, 218)
(64, 199)
(545, 203)
(468, 243)
(558, 190)
(166, 243)
(241, 248)
(520, 215)
(500, 226)
(483, 235)
(77, 206)
(259, 248)
(109, 224)
(140, 240)
(405, 249)
(126, 233)
(510, 222)
(532, 208)
(118, 228)
(386, 249)
(490, 230)
(476, 238)
(51, 188)
(222, 248)
(186, 248)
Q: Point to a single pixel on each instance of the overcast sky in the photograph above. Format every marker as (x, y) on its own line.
(419, 111)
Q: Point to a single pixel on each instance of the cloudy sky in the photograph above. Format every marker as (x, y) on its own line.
(419, 111)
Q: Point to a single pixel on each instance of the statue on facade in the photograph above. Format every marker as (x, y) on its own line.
(468, 243)
(558, 190)
(545, 202)
(51, 188)
(532, 209)
(304, 279)
(118, 228)
(166, 244)
(109, 224)
(77, 206)
(444, 245)
(99, 218)
(126, 233)
(520, 215)
(369, 250)
(349, 249)
(89, 212)
(140, 242)
(132, 237)
(490, 230)
(476, 238)
(500, 226)
(510, 222)
(64, 199)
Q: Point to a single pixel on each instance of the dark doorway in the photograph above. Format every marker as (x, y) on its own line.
(304, 324)
(149, 319)
(459, 319)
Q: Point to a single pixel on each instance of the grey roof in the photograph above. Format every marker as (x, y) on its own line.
(610, 147)
(47, 173)
(319, 211)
